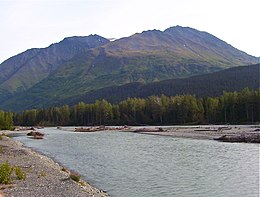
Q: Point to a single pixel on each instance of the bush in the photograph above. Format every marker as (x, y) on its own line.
(75, 176)
(19, 173)
(5, 173)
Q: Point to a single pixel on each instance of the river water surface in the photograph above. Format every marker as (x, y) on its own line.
(136, 165)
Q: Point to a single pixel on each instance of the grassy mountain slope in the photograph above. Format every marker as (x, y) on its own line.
(24, 70)
(79, 65)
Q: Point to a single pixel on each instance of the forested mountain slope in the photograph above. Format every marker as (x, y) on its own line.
(213, 84)
(78, 65)
(233, 79)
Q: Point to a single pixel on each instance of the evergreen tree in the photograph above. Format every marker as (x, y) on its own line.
(231, 107)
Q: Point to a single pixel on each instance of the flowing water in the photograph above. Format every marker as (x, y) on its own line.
(130, 164)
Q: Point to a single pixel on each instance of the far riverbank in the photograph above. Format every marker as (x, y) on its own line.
(224, 133)
(209, 132)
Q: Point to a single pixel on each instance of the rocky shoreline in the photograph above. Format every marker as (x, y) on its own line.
(222, 133)
(44, 177)
(246, 134)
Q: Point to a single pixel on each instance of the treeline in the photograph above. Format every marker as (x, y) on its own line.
(231, 107)
(6, 120)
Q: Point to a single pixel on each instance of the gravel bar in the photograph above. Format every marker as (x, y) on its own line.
(44, 177)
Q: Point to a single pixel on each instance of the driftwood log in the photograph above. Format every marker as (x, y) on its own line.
(149, 130)
(247, 138)
(36, 135)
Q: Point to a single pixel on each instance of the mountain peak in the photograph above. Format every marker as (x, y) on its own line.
(180, 28)
(151, 31)
(41, 63)
(80, 64)
(93, 38)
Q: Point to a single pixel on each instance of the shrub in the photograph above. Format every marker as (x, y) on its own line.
(5, 173)
(19, 173)
(75, 176)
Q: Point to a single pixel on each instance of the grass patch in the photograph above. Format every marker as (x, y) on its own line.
(19, 173)
(75, 176)
(5, 173)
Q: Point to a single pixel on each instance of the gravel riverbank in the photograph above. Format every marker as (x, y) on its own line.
(44, 177)
(209, 132)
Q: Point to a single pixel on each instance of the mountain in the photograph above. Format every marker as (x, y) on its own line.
(34, 65)
(77, 65)
(213, 84)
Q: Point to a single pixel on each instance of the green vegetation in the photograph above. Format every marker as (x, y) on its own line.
(19, 173)
(231, 107)
(6, 120)
(76, 68)
(5, 173)
(74, 89)
(233, 79)
(75, 176)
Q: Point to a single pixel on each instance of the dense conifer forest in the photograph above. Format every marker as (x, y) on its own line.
(229, 108)
(211, 85)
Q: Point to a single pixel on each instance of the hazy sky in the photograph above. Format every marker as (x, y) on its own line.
(28, 24)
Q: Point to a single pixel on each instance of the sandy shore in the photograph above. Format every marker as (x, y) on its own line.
(44, 177)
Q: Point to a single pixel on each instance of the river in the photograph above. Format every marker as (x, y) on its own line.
(133, 165)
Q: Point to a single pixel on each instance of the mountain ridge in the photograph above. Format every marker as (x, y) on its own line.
(46, 59)
(79, 64)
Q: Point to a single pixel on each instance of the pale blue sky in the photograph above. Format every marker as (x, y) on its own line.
(38, 23)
